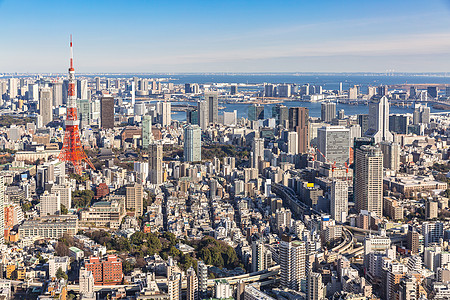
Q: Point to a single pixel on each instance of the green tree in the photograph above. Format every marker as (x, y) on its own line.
(61, 274)
(64, 210)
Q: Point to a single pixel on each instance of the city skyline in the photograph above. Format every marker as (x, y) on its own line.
(227, 36)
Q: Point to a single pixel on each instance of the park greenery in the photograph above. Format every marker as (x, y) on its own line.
(82, 198)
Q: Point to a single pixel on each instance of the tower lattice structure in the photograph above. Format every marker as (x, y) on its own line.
(72, 151)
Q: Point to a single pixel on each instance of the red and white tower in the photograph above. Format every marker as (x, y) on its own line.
(72, 152)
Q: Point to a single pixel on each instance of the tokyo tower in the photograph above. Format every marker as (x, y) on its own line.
(72, 152)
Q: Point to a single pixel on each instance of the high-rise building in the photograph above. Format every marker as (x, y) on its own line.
(164, 110)
(192, 117)
(82, 89)
(291, 139)
(203, 114)
(233, 89)
(50, 204)
(382, 90)
(107, 270)
(299, 122)
(363, 121)
(65, 194)
(46, 105)
(412, 240)
(147, 135)
(281, 114)
(155, 163)
(433, 91)
(134, 199)
(192, 143)
(107, 112)
(202, 274)
(368, 176)
(84, 111)
(2, 209)
(315, 287)
(334, 144)
(391, 155)
(213, 106)
(192, 284)
(33, 92)
(432, 232)
(339, 200)
(292, 262)
(261, 256)
(255, 112)
(398, 123)
(86, 284)
(328, 111)
(431, 209)
(97, 84)
(379, 120)
(258, 152)
(421, 114)
(57, 93)
(12, 88)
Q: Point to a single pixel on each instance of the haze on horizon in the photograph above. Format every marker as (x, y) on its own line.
(225, 36)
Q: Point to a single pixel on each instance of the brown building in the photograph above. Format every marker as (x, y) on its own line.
(107, 112)
(134, 199)
(392, 209)
(102, 190)
(413, 241)
(299, 122)
(106, 271)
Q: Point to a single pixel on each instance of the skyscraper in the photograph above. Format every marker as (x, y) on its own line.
(369, 179)
(213, 106)
(97, 84)
(146, 131)
(391, 155)
(281, 114)
(398, 123)
(164, 110)
(203, 114)
(255, 112)
(292, 262)
(57, 93)
(46, 105)
(155, 163)
(260, 256)
(107, 112)
(258, 152)
(421, 114)
(339, 200)
(82, 89)
(202, 274)
(192, 143)
(379, 120)
(299, 122)
(291, 139)
(328, 111)
(134, 199)
(12, 89)
(86, 284)
(334, 144)
(363, 121)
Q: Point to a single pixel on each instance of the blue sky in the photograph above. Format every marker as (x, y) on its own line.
(226, 36)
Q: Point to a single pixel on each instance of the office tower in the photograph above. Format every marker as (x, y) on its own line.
(12, 88)
(57, 93)
(260, 256)
(353, 93)
(187, 88)
(391, 155)
(255, 112)
(292, 142)
(258, 152)
(97, 84)
(379, 120)
(82, 89)
(305, 89)
(192, 143)
(155, 163)
(371, 91)
(65, 194)
(433, 91)
(33, 92)
(328, 111)
(284, 90)
(233, 89)
(421, 114)
(65, 91)
(2, 209)
(164, 110)
(213, 106)
(368, 176)
(281, 114)
(139, 109)
(84, 112)
(192, 284)
(413, 92)
(292, 262)
(192, 117)
(202, 274)
(431, 209)
(50, 204)
(268, 90)
(382, 90)
(203, 114)
(147, 135)
(299, 122)
(339, 200)
(46, 105)
(432, 232)
(363, 121)
(315, 288)
(230, 118)
(447, 91)
(86, 284)
(134, 199)
(398, 123)
(107, 112)
(333, 144)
